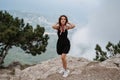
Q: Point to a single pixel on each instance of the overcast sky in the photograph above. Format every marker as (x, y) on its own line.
(98, 21)
(72, 8)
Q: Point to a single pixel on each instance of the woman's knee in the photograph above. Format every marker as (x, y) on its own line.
(63, 56)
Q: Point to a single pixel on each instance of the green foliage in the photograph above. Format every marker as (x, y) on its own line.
(14, 32)
(100, 54)
(111, 51)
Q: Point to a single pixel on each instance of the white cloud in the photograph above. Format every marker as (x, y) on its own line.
(103, 26)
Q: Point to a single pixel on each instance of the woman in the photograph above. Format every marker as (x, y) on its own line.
(63, 43)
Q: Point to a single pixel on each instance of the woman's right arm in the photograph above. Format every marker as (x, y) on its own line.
(55, 26)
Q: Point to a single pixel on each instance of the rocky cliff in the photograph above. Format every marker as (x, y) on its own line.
(80, 69)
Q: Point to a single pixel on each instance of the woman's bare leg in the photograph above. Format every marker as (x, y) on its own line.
(64, 62)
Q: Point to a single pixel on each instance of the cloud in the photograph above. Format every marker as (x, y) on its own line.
(103, 26)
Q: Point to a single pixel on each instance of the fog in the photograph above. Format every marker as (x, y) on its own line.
(103, 26)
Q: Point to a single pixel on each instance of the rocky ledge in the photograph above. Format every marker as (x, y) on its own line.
(80, 69)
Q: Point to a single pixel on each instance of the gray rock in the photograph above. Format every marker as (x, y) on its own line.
(80, 69)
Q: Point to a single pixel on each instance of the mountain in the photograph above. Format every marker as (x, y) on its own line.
(32, 18)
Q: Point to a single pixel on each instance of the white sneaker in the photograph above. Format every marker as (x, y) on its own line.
(66, 73)
(61, 71)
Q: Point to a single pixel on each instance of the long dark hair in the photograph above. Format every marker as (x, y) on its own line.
(60, 19)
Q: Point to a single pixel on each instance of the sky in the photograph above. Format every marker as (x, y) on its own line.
(53, 7)
(97, 21)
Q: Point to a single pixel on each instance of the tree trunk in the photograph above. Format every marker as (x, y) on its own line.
(4, 53)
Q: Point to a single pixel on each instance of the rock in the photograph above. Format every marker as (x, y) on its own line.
(80, 69)
(113, 62)
(5, 74)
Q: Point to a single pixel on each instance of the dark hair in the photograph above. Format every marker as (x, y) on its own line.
(60, 19)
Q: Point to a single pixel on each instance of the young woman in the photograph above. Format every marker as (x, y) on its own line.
(63, 43)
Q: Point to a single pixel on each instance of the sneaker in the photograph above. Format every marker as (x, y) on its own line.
(66, 73)
(61, 71)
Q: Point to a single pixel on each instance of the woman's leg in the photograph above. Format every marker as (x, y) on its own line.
(64, 61)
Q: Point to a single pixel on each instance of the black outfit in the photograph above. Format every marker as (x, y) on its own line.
(63, 43)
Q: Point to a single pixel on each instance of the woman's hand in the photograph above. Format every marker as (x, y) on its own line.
(70, 25)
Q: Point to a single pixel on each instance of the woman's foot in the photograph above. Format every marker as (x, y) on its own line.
(66, 73)
(61, 71)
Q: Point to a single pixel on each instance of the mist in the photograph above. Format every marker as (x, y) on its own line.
(103, 26)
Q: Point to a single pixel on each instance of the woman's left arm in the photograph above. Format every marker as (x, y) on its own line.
(70, 25)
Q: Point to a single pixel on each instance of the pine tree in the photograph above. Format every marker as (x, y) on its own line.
(112, 50)
(100, 55)
(14, 32)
